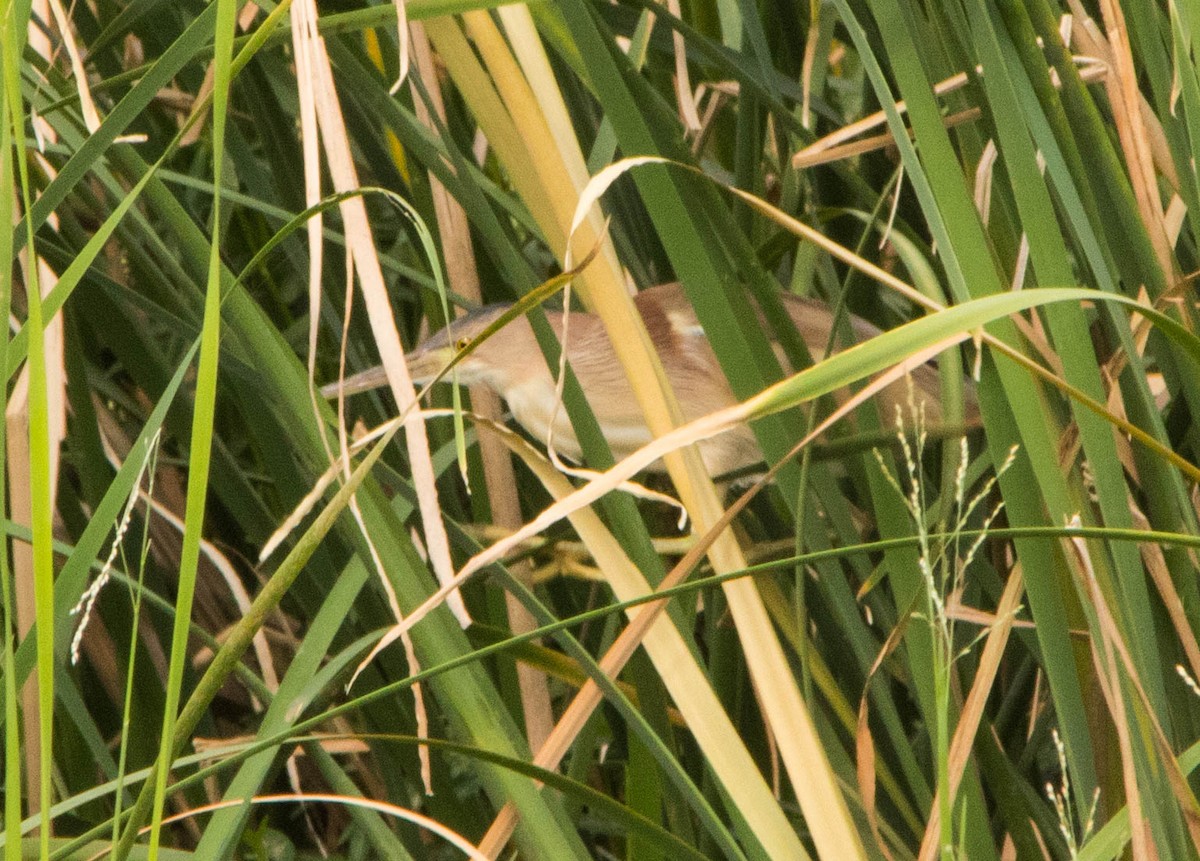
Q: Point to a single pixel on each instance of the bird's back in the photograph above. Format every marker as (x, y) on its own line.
(675, 329)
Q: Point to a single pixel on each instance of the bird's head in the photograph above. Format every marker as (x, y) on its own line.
(492, 362)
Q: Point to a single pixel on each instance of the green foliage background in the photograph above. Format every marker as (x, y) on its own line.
(185, 313)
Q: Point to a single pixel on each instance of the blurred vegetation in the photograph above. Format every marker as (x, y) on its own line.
(979, 644)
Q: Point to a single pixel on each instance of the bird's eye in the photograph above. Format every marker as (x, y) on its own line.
(461, 344)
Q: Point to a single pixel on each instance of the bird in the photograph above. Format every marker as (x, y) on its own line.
(511, 364)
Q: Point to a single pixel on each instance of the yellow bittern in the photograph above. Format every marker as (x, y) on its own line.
(511, 363)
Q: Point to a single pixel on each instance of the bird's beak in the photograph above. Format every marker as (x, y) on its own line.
(423, 365)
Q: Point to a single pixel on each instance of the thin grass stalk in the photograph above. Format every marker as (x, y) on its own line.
(12, 723)
(20, 410)
(527, 48)
(202, 429)
(1189, 89)
(15, 21)
(134, 629)
(1110, 681)
(941, 696)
